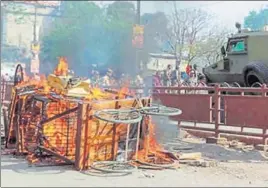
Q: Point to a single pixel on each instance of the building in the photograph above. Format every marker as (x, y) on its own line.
(159, 62)
(18, 26)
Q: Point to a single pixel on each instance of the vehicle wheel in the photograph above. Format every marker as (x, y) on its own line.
(256, 72)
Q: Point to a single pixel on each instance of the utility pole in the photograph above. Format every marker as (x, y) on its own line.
(138, 21)
(2, 25)
(34, 24)
(35, 46)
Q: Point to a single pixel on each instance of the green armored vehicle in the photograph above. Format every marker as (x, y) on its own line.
(245, 60)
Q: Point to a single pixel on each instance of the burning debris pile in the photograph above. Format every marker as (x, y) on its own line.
(63, 120)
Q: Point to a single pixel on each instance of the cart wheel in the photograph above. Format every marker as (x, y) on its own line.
(119, 116)
(160, 110)
(113, 167)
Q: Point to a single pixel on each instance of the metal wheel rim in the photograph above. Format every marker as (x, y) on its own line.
(225, 84)
(256, 84)
(169, 111)
(100, 166)
(158, 165)
(235, 84)
(97, 114)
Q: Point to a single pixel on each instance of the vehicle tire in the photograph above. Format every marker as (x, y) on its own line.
(255, 72)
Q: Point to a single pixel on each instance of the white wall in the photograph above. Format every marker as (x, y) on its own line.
(22, 34)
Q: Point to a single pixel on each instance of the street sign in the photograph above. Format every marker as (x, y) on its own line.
(137, 39)
(35, 65)
(35, 47)
(138, 29)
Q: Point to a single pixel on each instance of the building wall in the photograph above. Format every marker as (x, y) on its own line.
(3, 26)
(21, 34)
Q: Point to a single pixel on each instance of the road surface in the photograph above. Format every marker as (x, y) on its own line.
(15, 172)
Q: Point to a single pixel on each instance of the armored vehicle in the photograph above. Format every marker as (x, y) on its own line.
(245, 60)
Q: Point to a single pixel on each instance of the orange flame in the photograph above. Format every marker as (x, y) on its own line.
(62, 68)
(56, 129)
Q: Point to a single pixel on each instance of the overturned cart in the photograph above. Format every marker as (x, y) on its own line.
(103, 132)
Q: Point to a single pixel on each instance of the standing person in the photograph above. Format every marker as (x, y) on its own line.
(188, 69)
(107, 79)
(195, 70)
(122, 79)
(202, 83)
(6, 77)
(36, 76)
(167, 76)
(192, 79)
(176, 76)
(140, 84)
(157, 81)
(96, 78)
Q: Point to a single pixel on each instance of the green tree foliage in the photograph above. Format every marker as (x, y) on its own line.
(120, 17)
(155, 34)
(256, 20)
(16, 9)
(74, 34)
(87, 34)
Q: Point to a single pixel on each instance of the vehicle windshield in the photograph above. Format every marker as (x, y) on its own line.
(237, 46)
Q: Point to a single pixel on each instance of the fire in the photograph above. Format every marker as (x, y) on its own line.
(62, 68)
(151, 148)
(60, 134)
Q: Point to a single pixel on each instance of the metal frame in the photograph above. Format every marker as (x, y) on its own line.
(216, 109)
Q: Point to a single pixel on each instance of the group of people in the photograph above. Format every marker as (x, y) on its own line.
(168, 78)
(174, 77)
(110, 79)
(7, 77)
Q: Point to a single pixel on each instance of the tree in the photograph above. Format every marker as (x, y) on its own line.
(17, 9)
(120, 19)
(208, 49)
(155, 29)
(74, 34)
(187, 27)
(87, 34)
(256, 20)
(193, 37)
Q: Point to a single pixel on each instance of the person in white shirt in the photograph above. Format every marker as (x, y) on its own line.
(106, 80)
(202, 83)
(6, 77)
(36, 76)
(139, 83)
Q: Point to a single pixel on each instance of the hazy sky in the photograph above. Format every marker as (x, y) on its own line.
(226, 12)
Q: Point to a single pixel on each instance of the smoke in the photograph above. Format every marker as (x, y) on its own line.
(166, 129)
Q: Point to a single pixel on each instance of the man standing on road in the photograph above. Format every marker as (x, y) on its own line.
(167, 76)
(176, 76)
(202, 83)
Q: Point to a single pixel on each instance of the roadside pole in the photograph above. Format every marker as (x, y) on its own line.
(178, 61)
(35, 46)
(137, 50)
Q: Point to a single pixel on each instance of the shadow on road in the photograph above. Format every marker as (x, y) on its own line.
(21, 166)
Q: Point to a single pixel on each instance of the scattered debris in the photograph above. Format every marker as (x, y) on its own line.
(190, 156)
(147, 175)
(203, 163)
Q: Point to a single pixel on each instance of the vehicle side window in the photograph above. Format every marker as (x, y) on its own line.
(237, 46)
